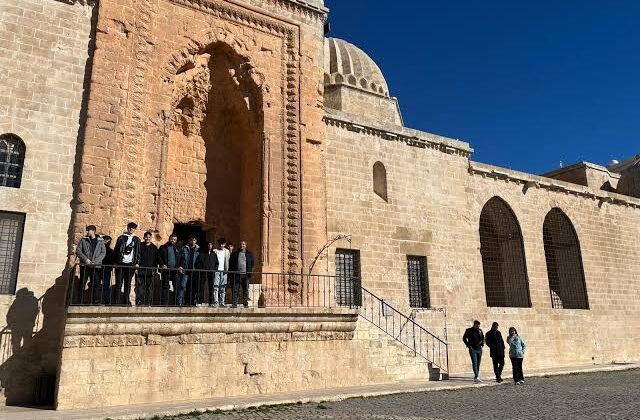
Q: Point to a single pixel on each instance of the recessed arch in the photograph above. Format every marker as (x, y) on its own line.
(503, 258)
(12, 155)
(567, 284)
(380, 180)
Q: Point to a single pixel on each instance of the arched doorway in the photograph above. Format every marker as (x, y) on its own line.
(216, 154)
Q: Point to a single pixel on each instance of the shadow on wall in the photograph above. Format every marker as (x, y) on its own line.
(28, 357)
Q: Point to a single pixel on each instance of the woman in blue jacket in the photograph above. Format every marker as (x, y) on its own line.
(516, 354)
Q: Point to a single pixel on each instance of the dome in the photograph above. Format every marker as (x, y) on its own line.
(347, 64)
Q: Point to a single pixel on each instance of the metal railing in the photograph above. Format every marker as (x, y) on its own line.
(405, 330)
(125, 285)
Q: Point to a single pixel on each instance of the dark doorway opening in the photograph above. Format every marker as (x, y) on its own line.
(185, 231)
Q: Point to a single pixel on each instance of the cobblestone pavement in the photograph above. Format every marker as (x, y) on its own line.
(610, 395)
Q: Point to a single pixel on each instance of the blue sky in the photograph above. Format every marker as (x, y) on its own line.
(528, 83)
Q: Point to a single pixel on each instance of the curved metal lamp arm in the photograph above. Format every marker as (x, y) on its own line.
(327, 245)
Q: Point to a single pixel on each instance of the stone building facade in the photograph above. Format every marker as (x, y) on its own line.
(240, 118)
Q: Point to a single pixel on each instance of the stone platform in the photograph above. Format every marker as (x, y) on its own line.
(115, 356)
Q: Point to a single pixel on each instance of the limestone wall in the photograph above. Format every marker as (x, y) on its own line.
(115, 356)
(433, 210)
(43, 52)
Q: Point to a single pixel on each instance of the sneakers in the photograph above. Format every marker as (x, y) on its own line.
(498, 380)
(477, 380)
(521, 382)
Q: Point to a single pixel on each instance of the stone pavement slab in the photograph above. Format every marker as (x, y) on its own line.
(456, 382)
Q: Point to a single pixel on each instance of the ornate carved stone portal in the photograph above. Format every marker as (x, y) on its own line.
(194, 118)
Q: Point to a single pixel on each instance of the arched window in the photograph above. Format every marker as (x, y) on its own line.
(503, 261)
(12, 152)
(564, 262)
(380, 180)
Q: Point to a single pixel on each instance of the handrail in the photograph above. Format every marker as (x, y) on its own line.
(394, 323)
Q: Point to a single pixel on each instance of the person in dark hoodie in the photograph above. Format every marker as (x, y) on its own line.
(90, 252)
(186, 290)
(148, 269)
(474, 340)
(169, 260)
(128, 259)
(107, 268)
(494, 341)
(207, 261)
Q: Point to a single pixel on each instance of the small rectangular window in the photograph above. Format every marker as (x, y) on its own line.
(418, 282)
(348, 291)
(11, 229)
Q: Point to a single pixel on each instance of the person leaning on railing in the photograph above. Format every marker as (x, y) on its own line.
(90, 251)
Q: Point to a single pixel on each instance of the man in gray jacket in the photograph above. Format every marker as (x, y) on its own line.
(91, 251)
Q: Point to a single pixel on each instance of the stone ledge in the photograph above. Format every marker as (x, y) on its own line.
(136, 326)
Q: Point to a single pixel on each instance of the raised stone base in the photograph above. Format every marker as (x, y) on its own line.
(120, 356)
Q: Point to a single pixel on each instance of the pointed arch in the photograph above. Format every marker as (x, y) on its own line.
(12, 154)
(380, 180)
(503, 259)
(564, 262)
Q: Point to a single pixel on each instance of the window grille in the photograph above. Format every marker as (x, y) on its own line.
(12, 151)
(380, 180)
(11, 229)
(348, 291)
(564, 262)
(503, 260)
(418, 282)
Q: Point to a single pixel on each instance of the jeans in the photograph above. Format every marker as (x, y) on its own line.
(219, 288)
(240, 280)
(181, 290)
(498, 365)
(516, 364)
(123, 275)
(476, 358)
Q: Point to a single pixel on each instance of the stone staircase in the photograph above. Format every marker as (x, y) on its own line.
(398, 361)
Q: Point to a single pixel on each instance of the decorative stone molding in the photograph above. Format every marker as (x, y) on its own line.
(140, 326)
(550, 184)
(447, 146)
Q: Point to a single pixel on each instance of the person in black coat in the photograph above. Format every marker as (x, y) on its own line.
(169, 260)
(241, 266)
(128, 258)
(474, 340)
(107, 268)
(208, 261)
(147, 270)
(494, 341)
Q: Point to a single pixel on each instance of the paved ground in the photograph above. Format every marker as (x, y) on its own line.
(603, 395)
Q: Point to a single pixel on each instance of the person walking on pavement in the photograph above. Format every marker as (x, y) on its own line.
(474, 340)
(494, 341)
(516, 354)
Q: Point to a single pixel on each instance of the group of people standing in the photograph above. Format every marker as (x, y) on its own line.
(475, 340)
(186, 269)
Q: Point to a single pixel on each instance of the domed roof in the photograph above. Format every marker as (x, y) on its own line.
(345, 63)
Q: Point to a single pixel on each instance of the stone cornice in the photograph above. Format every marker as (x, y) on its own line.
(118, 326)
(408, 136)
(550, 184)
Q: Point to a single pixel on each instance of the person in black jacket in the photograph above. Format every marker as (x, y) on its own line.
(474, 340)
(208, 261)
(241, 266)
(107, 268)
(494, 341)
(147, 270)
(169, 260)
(128, 259)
